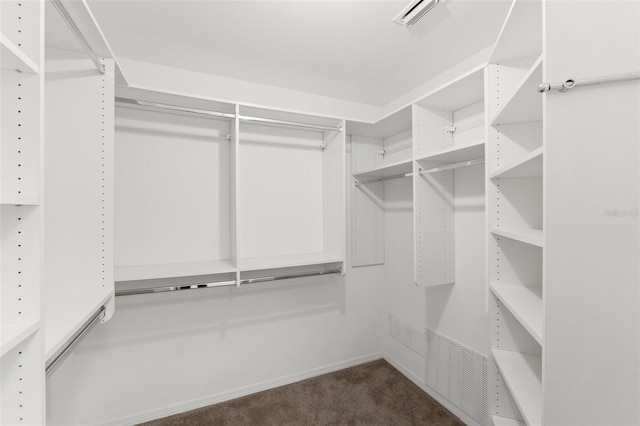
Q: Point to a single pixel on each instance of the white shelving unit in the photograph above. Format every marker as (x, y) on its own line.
(251, 190)
(516, 239)
(379, 153)
(449, 133)
(21, 143)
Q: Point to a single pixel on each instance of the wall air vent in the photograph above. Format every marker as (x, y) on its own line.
(414, 11)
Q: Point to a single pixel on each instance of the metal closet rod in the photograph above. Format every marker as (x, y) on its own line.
(199, 111)
(383, 179)
(226, 283)
(74, 340)
(564, 86)
(453, 166)
(66, 17)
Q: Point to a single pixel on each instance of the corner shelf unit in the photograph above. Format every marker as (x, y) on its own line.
(21, 145)
(516, 229)
(274, 199)
(427, 142)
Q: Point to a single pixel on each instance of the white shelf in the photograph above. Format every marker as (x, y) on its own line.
(525, 104)
(388, 170)
(15, 200)
(522, 373)
(525, 303)
(505, 421)
(14, 334)
(529, 166)
(288, 261)
(172, 270)
(456, 154)
(528, 236)
(13, 58)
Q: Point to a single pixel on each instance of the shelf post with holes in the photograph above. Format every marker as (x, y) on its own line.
(21, 143)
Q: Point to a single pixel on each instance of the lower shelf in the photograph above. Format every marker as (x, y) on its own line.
(504, 421)
(287, 261)
(16, 333)
(168, 270)
(523, 375)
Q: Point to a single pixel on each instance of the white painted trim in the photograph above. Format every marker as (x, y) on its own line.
(240, 392)
(432, 393)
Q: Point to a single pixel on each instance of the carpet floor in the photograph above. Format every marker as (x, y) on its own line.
(370, 394)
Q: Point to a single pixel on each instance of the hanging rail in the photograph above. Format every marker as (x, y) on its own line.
(383, 179)
(133, 102)
(151, 290)
(570, 84)
(453, 166)
(63, 352)
(76, 31)
(165, 289)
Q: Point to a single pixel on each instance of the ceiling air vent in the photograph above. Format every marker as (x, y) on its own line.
(414, 11)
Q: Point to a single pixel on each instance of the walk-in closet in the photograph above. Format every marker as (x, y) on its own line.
(286, 212)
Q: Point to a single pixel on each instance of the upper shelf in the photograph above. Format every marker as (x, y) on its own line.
(386, 171)
(286, 261)
(529, 166)
(13, 58)
(525, 104)
(525, 303)
(523, 375)
(455, 154)
(462, 92)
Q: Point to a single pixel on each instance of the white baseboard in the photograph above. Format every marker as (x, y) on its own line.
(418, 382)
(239, 392)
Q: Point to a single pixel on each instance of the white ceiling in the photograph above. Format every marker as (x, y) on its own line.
(343, 49)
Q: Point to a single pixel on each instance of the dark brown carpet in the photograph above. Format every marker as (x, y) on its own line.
(369, 394)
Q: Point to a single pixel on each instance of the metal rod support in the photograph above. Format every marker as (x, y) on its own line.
(570, 84)
(71, 344)
(76, 31)
(453, 166)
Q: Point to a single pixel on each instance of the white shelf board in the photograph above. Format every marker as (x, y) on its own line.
(524, 235)
(388, 170)
(13, 58)
(505, 421)
(525, 303)
(287, 261)
(529, 166)
(22, 200)
(15, 333)
(458, 94)
(172, 270)
(522, 373)
(525, 104)
(391, 125)
(456, 154)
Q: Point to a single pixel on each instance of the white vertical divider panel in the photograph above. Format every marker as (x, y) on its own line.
(22, 380)
(78, 215)
(434, 205)
(234, 178)
(333, 163)
(367, 204)
(592, 286)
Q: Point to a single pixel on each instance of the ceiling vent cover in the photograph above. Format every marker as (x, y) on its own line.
(414, 11)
